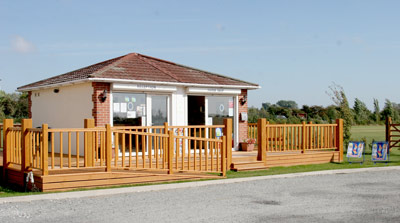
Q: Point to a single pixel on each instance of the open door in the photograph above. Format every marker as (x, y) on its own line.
(196, 110)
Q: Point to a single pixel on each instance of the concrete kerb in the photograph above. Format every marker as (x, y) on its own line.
(107, 192)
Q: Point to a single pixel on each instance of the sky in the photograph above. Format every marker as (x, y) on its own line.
(293, 49)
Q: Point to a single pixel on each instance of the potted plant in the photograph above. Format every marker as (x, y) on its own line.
(247, 145)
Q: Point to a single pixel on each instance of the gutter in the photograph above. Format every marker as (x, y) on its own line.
(112, 80)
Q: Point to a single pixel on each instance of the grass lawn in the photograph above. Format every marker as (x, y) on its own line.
(368, 133)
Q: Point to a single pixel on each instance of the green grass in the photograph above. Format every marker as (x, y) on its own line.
(368, 133)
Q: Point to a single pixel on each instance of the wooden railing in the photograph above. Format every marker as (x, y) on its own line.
(15, 143)
(1, 133)
(299, 137)
(195, 148)
(252, 131)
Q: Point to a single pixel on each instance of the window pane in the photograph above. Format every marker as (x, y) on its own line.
(128, 109)
(159, 110)
(219, 107)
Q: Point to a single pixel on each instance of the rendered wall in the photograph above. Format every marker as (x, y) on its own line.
(66, 109)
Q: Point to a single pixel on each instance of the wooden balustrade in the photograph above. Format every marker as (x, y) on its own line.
(299, 137)
(171, 148)
(252, 131)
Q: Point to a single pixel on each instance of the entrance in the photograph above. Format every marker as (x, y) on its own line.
(196, 110)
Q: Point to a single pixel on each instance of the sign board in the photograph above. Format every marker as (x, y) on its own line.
(355, 149)
(143, 87)
(380, 151)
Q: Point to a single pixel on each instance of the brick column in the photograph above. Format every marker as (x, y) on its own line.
(30, 104)
(101, 110)
(243, 133)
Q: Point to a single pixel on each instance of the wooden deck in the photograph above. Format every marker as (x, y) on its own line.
(96, 177)
(248, 160)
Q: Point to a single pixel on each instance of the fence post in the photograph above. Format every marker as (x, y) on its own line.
(108, 147)
(388, 123)
(339, 138)
(170, 150)
(225, 143)
(89, 147)
(165, 127)
(262, 140)
(7, 123)
(25, 147)
(228, 134)
(45, 149)
(303, 144)
(310, 135)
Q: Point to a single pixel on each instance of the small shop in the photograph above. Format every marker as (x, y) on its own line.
(137, 90)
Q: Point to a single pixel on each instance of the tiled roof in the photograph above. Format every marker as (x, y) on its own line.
(139, 67)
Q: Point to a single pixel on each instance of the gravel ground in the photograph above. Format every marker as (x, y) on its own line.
(353, 197)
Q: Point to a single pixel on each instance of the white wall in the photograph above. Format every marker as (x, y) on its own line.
(66, 109)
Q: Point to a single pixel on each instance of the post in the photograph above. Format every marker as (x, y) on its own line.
(170, 150)
(89, 150)
(45, 149)
(388, 123)
(25, 146)
(262, 140)
(108, 147)
(225, 143)
(310, 136)
(339, 138)
(303, 145)
(228, 134)
(7, 123)
(165, 127)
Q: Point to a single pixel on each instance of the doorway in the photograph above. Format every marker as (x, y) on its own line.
(196, 110)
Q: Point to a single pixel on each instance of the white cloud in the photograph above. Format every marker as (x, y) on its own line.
(21, 45)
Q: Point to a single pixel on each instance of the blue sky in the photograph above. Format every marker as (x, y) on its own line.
(294, 49)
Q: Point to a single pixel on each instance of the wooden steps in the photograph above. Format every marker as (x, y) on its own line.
(248, 166)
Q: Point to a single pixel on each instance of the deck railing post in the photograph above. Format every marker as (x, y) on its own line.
(304, 133)
(7, 123)
(388, 123)
(225, 147)
(339, 138)
(89, 147)
(170, 150)
(108, 147)
(165, 127)
(25, 146)
(262, 140)
(45, 149)
(228, 134)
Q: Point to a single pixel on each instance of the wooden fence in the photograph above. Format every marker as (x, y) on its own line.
(298, 137)
(171, 148)
(392, 133)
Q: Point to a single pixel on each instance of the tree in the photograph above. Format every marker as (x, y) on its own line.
(377, 111)
(287, 104)
(338, 96)
(361, 112)
(389, 111)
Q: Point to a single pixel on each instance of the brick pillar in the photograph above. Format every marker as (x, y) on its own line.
(101, 110)
(30, 104)
(243, 133)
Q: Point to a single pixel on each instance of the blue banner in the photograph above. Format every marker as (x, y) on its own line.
(380, 151)
(355, 149)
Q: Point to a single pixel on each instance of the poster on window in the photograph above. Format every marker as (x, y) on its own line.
(355, 149)
(379, 151)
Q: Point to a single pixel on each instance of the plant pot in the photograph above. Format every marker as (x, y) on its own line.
(244, 146)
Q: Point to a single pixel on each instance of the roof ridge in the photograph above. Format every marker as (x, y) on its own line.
(167, 72)
(117, 61)
(207, 72)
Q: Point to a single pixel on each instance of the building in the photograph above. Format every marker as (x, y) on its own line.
(135, 89)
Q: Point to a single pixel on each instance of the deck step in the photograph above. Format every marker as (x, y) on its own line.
(248, 166)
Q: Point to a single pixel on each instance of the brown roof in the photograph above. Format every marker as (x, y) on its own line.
(139, 67)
